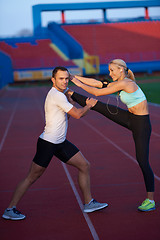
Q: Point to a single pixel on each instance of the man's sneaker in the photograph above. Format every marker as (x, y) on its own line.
(94, 206)
(13, 214)
(147, 206)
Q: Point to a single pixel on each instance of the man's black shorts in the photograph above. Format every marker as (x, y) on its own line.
(46, 150)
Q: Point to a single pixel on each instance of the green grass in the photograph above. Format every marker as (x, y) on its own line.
(152, 91)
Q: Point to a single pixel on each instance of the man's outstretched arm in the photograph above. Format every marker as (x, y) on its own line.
(80, 112)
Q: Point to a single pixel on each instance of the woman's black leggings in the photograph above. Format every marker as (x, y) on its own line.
(141, 130)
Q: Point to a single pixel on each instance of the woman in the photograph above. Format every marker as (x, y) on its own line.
(136, 118)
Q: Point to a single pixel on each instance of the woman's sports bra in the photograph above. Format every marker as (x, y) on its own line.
(132, 99)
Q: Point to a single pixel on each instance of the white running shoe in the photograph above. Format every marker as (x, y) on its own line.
(13, 214)
(94, 206)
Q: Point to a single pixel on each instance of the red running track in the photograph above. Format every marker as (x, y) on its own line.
(53, 205)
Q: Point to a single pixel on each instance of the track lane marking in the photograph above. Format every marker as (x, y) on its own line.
(10, 121)
(89, 223)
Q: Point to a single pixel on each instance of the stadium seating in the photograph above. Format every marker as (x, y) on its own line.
(131, 41)
(29, 56)
(138, 41)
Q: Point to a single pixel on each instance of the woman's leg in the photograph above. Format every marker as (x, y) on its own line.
(116, 114)
(141, 129)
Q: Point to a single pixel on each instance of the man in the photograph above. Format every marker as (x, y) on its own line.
(53, 142)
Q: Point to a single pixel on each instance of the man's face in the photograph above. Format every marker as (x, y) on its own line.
(60, 82)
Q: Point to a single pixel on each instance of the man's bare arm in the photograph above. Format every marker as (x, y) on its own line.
(80, 112)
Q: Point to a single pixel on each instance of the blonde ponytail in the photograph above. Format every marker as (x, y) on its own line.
(130, 75)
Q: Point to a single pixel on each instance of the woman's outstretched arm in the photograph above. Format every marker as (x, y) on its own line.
(112, 88)
(89, 81)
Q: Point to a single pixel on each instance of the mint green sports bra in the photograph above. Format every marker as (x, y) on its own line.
(132, 99)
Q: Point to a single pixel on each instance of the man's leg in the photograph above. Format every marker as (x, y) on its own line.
(83, 166)
(34, 173)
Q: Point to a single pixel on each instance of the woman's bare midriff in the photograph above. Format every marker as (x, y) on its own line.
(140, 108)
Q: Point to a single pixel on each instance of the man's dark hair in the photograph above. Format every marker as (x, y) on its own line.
(55, 70)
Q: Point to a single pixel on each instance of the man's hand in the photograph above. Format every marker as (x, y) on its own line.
(70, 100)
(91, 101)
(69, 92)
(80, 112)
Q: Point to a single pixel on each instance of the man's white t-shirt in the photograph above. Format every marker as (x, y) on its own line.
(56, 108)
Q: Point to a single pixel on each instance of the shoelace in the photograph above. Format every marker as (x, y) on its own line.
(145, 201)
(16, 211)
(94, 201)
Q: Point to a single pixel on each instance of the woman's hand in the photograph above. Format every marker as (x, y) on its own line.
(71, 77)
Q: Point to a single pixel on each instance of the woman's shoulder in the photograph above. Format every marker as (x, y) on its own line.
(126, 79)
(124, 82)
(129, 85)
(129, 81)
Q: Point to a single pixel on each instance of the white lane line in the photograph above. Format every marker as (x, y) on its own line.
(115, 145)
(9, 122)
(156, 134)
(88, 221)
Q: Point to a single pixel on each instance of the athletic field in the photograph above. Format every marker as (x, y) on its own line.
(53, 205)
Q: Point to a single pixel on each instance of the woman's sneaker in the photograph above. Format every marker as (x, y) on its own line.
(13, 214)
(94, 206)
(147, 206)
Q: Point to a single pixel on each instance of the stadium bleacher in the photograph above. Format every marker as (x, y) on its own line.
(25, 55)
(69, 45)
(131, 41)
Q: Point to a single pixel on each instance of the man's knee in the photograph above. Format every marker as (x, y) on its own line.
(32, 178)
(85, 166)
(34, 173)
(79, 162)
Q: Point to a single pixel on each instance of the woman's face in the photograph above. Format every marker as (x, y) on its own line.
(115, 72)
